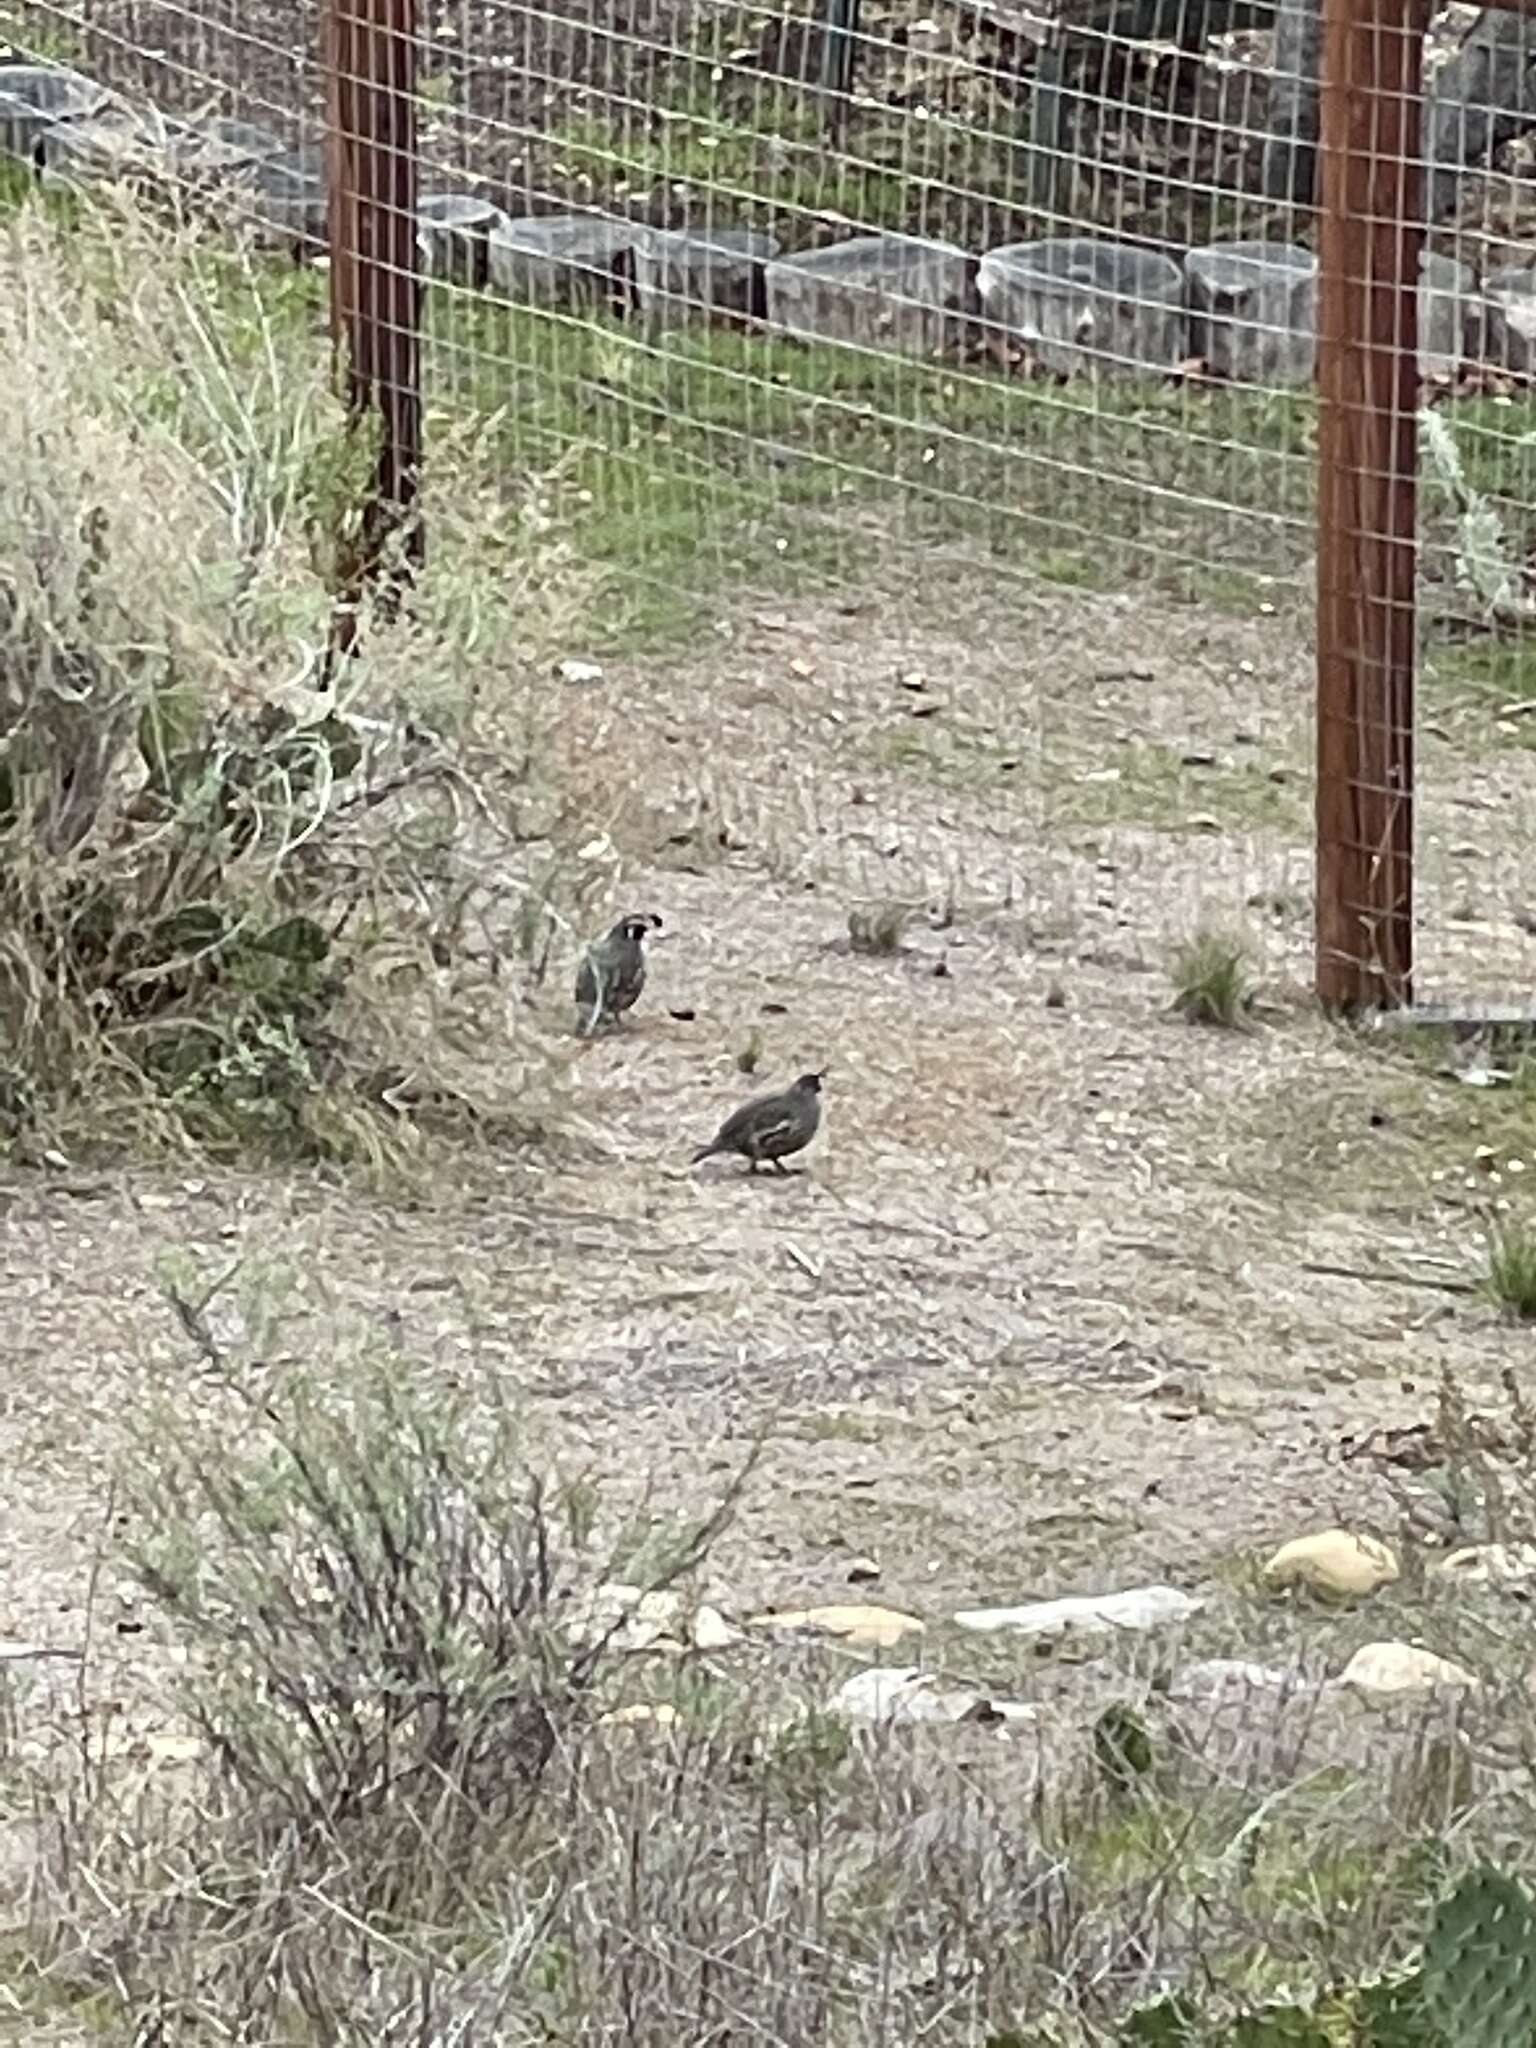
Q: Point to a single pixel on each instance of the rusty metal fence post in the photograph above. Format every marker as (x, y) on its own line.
(1371, 239)
(370, 57)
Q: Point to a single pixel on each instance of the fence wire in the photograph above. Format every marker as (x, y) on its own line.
(970, 352)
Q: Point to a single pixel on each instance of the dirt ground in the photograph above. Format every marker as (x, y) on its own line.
(1043, 1313)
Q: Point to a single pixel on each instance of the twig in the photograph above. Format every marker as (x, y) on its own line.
(192, 1315)
(1383, 1276)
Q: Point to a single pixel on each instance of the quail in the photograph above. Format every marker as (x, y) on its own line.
(770, 1127)
(612, 972)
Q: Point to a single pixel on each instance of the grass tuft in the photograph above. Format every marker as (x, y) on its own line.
(1510, 1280)
(1212, 982)
(879, 928)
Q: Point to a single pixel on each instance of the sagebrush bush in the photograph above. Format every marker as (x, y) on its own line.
(371, 1586)
(232, 904)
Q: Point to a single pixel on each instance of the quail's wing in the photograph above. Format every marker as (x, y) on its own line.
(777, 1134)
(628, 977)
(749, 1121)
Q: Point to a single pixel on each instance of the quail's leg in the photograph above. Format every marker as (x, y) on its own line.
(780, 1168)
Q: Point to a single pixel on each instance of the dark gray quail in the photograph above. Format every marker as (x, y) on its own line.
(771, 1127)
(612, 973)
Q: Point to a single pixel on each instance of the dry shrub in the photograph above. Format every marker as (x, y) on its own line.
(232, 908)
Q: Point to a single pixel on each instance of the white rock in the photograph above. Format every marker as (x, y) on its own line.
(1384, 1669)
(630, 1618)
(573, 670)
(711, 1630)
(1333, 1561)
(904, 1693)
(1141, 1607)
(640, 1714)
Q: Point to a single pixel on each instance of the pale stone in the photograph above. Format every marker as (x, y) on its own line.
(1333, 1561)
(711, 1630)
(863, 1628)
(904, 1693)
(640, 1713)
(573, 669)
(1139, 1608)
(629, 1618)
(1384, 1669)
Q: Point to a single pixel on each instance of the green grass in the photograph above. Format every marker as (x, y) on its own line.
(1471, 687)
(706, 458)
(1510, 1280)
(1212, 981)
(754, 146)
(1155, 787)
(689, 466)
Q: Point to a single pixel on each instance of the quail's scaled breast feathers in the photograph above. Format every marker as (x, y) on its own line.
(611, 973)
(771, 1127)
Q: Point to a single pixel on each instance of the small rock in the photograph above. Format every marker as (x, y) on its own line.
(1482, 1564)
(575, 670)
(711, 1630)
(640, 1713)
(1384, 1669)
(632, 1619)
(862, 1571)
(863, 1628)
(1139, 1608)
(904, 1693)
(1334, 1562)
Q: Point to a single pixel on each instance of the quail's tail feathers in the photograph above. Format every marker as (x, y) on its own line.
(706, 1152)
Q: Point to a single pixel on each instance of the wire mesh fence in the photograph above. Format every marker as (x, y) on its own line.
(963, 360)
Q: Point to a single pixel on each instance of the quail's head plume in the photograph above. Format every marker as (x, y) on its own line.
(770, 1127)
(611, 972)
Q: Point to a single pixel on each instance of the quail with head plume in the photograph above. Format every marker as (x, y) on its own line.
(612, 972)
(770, 1127)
